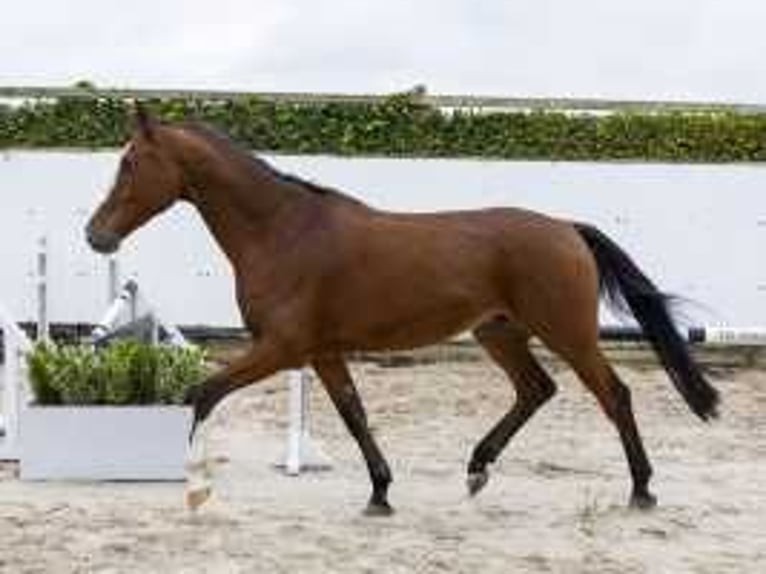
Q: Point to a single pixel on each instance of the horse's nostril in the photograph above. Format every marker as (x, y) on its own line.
(102, 241)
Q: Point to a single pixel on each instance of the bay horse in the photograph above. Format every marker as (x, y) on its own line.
(320, 274)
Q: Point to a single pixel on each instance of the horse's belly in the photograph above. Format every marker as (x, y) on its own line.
(381, 327)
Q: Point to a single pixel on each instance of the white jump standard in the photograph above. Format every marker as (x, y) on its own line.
(303, 454)
(14, 385)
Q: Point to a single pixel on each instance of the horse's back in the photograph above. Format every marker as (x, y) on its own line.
(513, 239)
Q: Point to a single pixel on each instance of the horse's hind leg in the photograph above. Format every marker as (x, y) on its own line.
(333, 373)
(614, 398)
(509, 348)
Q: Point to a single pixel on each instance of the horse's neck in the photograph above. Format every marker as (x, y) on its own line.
(241, 207)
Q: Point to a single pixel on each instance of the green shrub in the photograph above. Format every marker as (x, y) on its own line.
(124, 373)
(42, 369)
(402, 125)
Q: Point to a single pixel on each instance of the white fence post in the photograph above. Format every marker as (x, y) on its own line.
(113, 279)
(43, 318)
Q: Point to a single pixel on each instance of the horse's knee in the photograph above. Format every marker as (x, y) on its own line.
(617, 401)
(533, 395)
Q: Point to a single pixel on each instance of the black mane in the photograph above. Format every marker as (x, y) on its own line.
(237, 151)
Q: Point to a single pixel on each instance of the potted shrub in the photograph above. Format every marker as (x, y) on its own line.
(109, 414)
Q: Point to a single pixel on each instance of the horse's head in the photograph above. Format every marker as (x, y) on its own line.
(148, 181)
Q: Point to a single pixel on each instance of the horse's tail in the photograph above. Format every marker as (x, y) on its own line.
(625, 287)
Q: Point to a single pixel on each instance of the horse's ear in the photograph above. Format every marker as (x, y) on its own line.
(144, 122)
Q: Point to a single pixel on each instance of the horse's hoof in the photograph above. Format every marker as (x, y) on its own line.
(378, 509)
(643, 501)
(196, 498)
(476, 481)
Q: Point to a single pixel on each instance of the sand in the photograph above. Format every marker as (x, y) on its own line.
(555, 501)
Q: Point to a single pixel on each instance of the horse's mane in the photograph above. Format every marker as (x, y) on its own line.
(242, 156)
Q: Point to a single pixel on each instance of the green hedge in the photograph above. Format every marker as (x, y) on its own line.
(125, 373)
(401, 126)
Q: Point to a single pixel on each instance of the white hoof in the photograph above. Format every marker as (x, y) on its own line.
(199, 483)
(199, 470)
(197, 497)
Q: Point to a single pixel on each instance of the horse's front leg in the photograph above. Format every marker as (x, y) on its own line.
(333, 372)
(264, 359)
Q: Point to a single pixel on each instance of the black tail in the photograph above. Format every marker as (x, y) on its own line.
(627, 288)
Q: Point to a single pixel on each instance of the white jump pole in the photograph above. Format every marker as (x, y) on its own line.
(707, 335)
(744, 336)
(302, 453)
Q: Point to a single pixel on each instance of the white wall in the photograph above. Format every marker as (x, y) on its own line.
(698, 230)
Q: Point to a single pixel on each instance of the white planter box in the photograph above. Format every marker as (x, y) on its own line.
(104, 443)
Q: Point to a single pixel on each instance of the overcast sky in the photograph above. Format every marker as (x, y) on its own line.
(637, 49)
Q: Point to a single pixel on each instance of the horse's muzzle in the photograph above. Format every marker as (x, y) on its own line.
(102, 241)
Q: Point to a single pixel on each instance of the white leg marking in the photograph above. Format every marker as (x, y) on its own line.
(199, 471)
